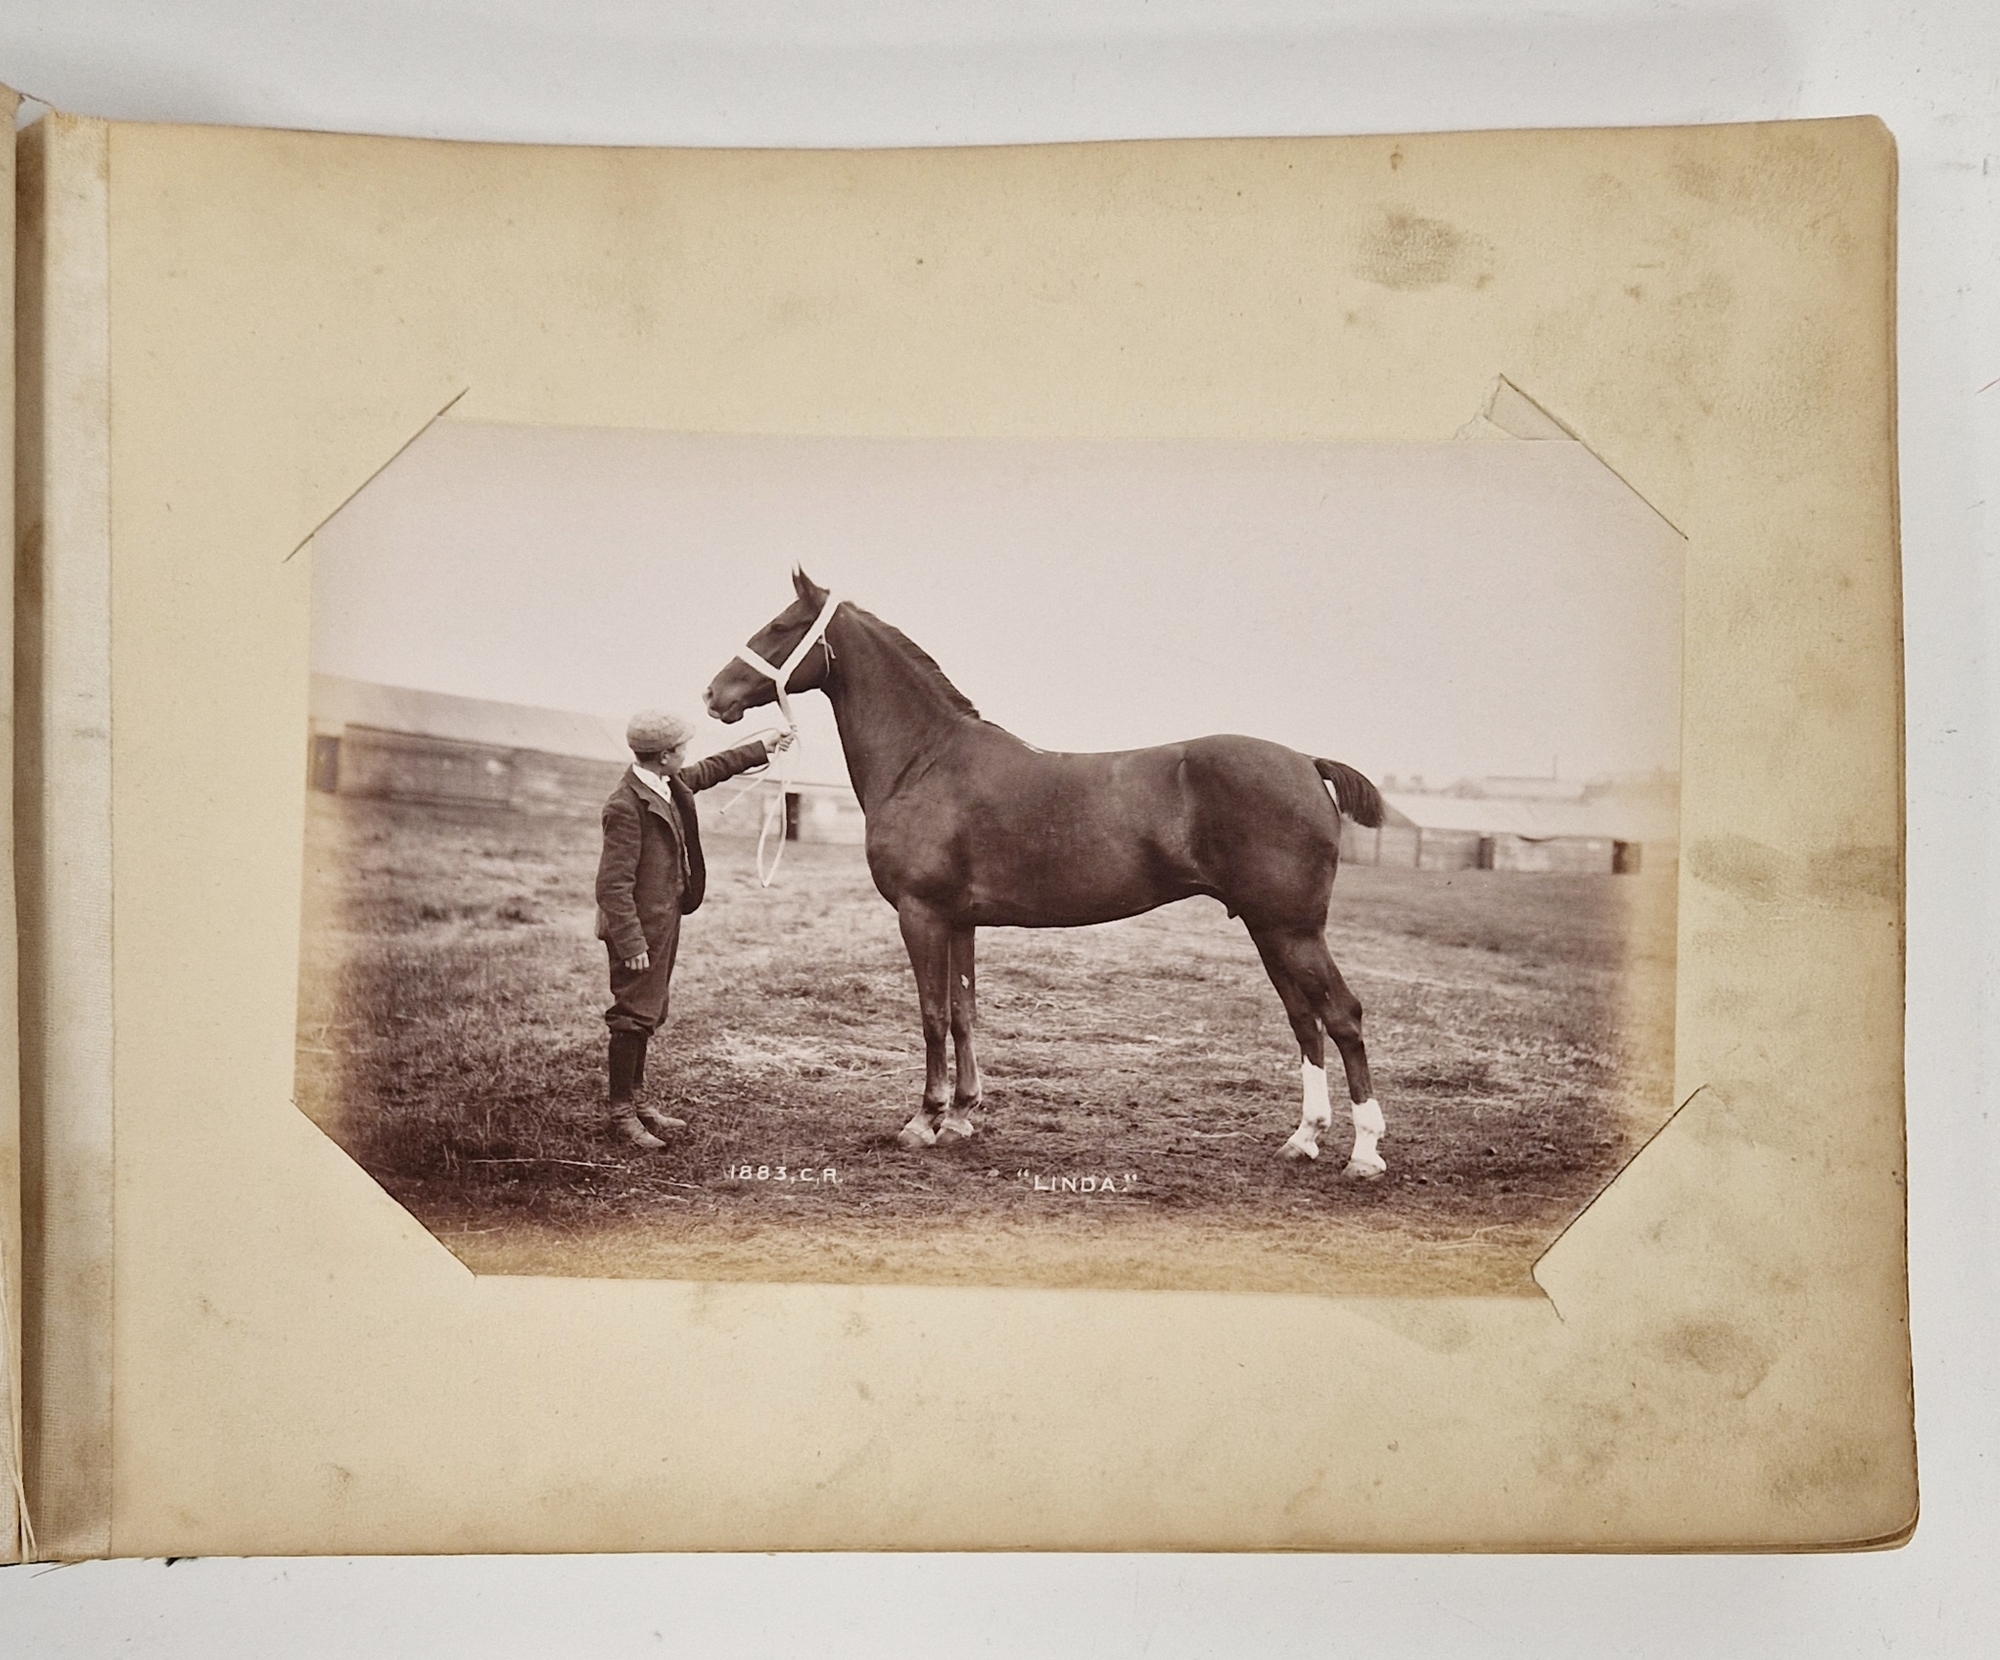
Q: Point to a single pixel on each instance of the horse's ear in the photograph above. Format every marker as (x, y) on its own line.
(807, 589)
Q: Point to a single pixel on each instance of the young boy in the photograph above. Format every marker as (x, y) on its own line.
(650, 875)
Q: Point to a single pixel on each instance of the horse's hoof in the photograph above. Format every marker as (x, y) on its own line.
(916, 1137)
(1295, 1150)
(1359, 1172)
(956, 1129)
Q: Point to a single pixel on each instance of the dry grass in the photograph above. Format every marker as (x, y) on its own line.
(1519, 1029)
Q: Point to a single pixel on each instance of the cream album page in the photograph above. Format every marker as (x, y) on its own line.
(1385, 651)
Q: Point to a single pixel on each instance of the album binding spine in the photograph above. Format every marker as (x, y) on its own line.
(15, 1538)
(61, 784)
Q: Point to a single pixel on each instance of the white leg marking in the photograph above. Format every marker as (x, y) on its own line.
(1315, 1115)
(1317, 1110)
(1365, 1162)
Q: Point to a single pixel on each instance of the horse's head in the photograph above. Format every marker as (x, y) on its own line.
(739, 687)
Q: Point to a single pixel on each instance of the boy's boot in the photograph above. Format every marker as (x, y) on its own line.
(628, 1056)
(652, 1117)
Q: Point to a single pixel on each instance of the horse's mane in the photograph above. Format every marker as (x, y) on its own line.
(922, 662)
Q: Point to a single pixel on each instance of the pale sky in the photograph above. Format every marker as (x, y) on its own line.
(1446, 609)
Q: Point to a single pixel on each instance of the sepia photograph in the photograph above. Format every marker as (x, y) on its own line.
(1217, 866)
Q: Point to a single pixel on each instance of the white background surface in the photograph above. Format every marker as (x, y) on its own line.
(966, 71)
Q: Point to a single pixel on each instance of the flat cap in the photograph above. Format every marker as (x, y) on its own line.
(652, 730)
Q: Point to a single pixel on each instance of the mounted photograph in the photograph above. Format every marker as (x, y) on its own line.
(1182, 865)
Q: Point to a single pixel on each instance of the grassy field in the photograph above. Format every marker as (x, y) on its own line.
(1140, 1076)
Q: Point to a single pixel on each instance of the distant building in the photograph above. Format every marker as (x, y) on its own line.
(1533, 788)
(1605, 828)
(399, 743)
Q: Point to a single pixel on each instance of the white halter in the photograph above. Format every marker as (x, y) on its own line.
(779, 676)
(774, 812)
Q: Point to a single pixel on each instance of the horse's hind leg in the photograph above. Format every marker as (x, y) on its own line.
(1281, 961)
(1340, 1010)
(964, 993)
(1319, 995)
(928, 938)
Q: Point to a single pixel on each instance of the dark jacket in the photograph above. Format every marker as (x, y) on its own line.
(651, 872)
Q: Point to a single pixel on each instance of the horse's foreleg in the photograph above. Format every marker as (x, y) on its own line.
(1315, 1111)
(927, 937)
(964, 994)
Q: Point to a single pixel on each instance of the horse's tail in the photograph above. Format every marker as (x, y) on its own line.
(1352, 793)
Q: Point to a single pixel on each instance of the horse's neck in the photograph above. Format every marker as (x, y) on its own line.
(889, 709)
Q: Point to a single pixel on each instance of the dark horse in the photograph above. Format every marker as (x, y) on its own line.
(969, 826)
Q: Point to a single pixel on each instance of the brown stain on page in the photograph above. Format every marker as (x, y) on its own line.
(1409, 251)
(1751, 871)
(1720, 1350)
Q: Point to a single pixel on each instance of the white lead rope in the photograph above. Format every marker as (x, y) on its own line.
(774, 807)
(759, 776)
(774, 814)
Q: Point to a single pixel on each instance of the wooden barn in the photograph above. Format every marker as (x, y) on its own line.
(399, 743)
(1615, 832)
